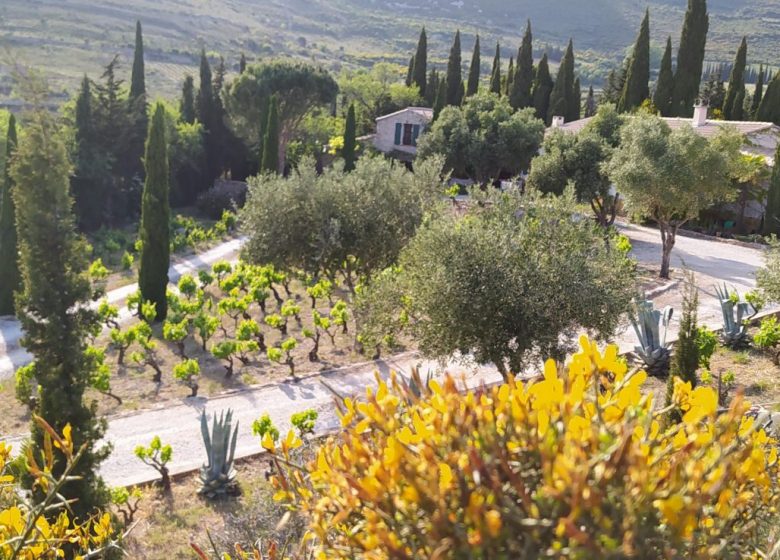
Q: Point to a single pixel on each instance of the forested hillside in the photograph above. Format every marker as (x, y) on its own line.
(66, 38)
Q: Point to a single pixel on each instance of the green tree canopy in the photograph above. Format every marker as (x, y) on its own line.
(495, 73)
(508, 283)
(543, 86)
(520, 94)
(664, 87)
(732, 104)
(564, 100)
(419, 72)
(475, 70)
(484, 140)
(187, 103)
(671, 176)
(299, 89)
(690, 58)
(454, 77)
(636, 88)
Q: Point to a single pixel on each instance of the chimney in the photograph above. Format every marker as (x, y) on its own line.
(700, 114)
(558, 121)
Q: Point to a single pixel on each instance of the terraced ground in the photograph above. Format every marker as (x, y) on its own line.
(67, 38)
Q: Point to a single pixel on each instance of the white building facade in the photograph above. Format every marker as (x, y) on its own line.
(397, 133)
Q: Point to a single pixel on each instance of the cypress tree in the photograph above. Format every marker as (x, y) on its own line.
(561, 98)
(636, 88)
(88, 185)
(441, 99)
(543, 86)
(474, 71)
(575, 104)
(410, 72)
(270, 161)
(685, 361)
(348, 151)
(139, 117)
(421, 63)
(53, 306)
(155, 217)
(207, 116)
(738, 108)
(432, 87)
(242, 64)
(454, 78)
(187, 103)
(759, 93)
(495, 74)
(590, 103)
(732, 109)
(769, 110)
(521, 94)
(265, 107)
(510, 75)
(664, 88)
(772, 216)
(10, 281)
(690, 58)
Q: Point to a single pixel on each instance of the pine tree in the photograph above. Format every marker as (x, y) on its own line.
(242, 64)
(510, 75)
(420, 67)
(759, 93)
(348, 151)
(410, 72)
(474, 71)
(454, 78)
(155, 216)
(54, 306)
(590, 104)
(270, 163)
(207, 116)
(732, 109)
(187, 103)
(772, 216)
(521, 95)
(10, 281)
(139, 117)
(543, 86)
(690, 58)
(636, 88)
(769, 110)
(562, 96)
(664, 88)
(495, 73)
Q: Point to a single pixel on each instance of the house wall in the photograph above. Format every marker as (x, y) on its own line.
(384, 141)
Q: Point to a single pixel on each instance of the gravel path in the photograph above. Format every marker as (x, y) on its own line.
(177, 423)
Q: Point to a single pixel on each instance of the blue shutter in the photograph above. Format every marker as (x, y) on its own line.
(398, 132)
(415, 134)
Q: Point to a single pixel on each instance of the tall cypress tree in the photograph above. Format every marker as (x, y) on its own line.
(187, 103)
(410, 72)
(88, 183)
(590, 103)
(139, 117)
(420, 69)
(348, 151)
(441, 99)
(636, 88)
(562, 96)
(664, 88)
(769, 110)
(265, 107)
(521, 94)
(10, 281)
(242, 64)
(690, 58)
(271, 158)
(53, 306)
(474, 71)
(758, 94)
(543, 86)
(495, 74)
(155, 217)
(510, 75)
(454, 78)
(772, 215)
(207, 116)
(432, 87)
(732, 108)
(575, 103)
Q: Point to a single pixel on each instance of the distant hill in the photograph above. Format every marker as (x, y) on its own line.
(67, 38)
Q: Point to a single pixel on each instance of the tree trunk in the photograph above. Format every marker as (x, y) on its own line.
(668, 237)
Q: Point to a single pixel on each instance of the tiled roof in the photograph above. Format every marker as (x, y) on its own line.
(424, 112)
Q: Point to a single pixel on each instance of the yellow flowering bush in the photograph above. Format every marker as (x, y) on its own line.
(44, 530)
(575, 464)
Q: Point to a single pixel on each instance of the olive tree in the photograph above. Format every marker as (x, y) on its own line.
(671, 175)
(514, 280)
(484, 139)
(349, 224)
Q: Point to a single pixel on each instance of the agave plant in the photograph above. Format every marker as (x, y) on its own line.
(651, 326)
(218, 475)
(736, 315)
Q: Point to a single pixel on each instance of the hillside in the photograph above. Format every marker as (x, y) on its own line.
(67, 38)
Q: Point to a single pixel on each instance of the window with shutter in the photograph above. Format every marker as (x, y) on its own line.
(415, 134)
(398, 131)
